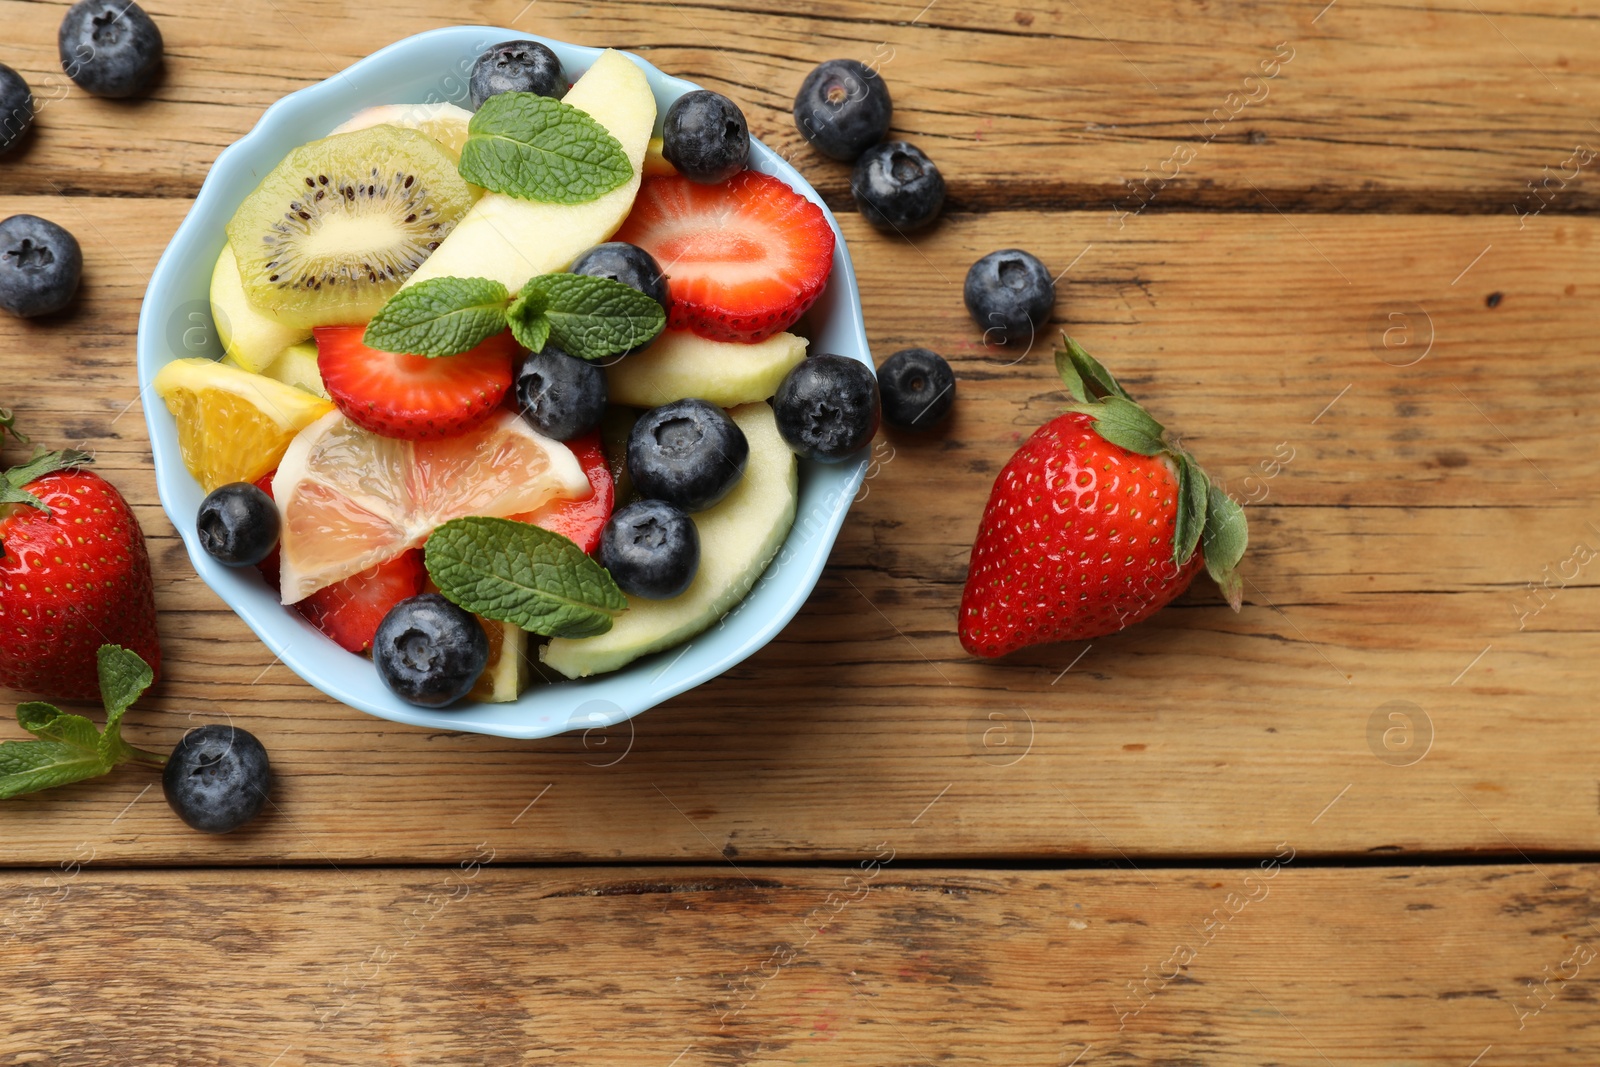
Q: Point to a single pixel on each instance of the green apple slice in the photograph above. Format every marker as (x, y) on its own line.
(251, 337)
(680, 364)
(738, 538)
(510, 240)
(506, 675)
(297, 366)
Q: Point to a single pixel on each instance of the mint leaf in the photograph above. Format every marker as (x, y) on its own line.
(49, 723)
(28, 766)
(70, 748)
(67, 751)
(592, 318)
(527, 319)
(1193, 491)
(523, 574)
(535, 148)
(440, 317)
(41, 464)
(124, 676)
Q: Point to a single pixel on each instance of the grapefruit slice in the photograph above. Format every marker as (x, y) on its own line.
(350, 499)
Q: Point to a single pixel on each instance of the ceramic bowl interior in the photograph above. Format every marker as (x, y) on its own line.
(176, 322)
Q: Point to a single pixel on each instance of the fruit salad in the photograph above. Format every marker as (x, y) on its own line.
(518, 384)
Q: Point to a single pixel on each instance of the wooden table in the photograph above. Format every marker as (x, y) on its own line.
(1350, 249)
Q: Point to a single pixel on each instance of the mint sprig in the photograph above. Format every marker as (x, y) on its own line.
(528, 320)
(535, 148)
(70, 748)
(440, 317)
(522, 574)
(590, 318)
(1207, 517)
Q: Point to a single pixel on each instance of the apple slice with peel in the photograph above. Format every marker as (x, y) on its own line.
(297, 366)
(250, 337)
(445, 123)
(510, 240)
(738, 538)
(681, 364)
(506, 674)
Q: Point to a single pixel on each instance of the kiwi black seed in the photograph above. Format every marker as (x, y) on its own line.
(337, 227)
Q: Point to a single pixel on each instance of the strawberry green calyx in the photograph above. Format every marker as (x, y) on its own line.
(42, 463)
(1207, 518)
(8, 425)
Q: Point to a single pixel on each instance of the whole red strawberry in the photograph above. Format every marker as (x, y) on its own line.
(1095, 524)
(74, 576)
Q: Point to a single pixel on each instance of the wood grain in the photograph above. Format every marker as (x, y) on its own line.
(469, 963)
(1087, 105)
(1363, 288)
(1390, 563)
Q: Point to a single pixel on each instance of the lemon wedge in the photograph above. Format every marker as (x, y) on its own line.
(233, 426)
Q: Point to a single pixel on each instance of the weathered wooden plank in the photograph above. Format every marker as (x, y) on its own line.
(1368, 344)
(1091, 105)
(867, 964)
(1391, 562)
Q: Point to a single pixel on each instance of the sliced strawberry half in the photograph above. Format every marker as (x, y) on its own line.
(743, 259)
(581, 520)
(413, 397)
(350, 611)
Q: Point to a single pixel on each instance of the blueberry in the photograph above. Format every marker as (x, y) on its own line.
(40, 264)
(109, 47)
(843, 108)
(238, 525)
(428, 651)
(827, 407)
(917, 388)
(705, 136)
(1009, 294)
(561, 396)
(897, 188)
(651, 548)
(16, 109)
(625, 263)
(217, 778)
(688, 453)
(517, 67)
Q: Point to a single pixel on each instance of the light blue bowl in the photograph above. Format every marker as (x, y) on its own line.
(176, 322)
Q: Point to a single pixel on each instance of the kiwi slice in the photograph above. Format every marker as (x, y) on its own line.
(341, 223)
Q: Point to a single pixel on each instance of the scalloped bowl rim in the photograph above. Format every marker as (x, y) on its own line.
(175, 322)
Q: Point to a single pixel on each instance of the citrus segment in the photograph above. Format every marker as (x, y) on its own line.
(350, 499)
(233, 426)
